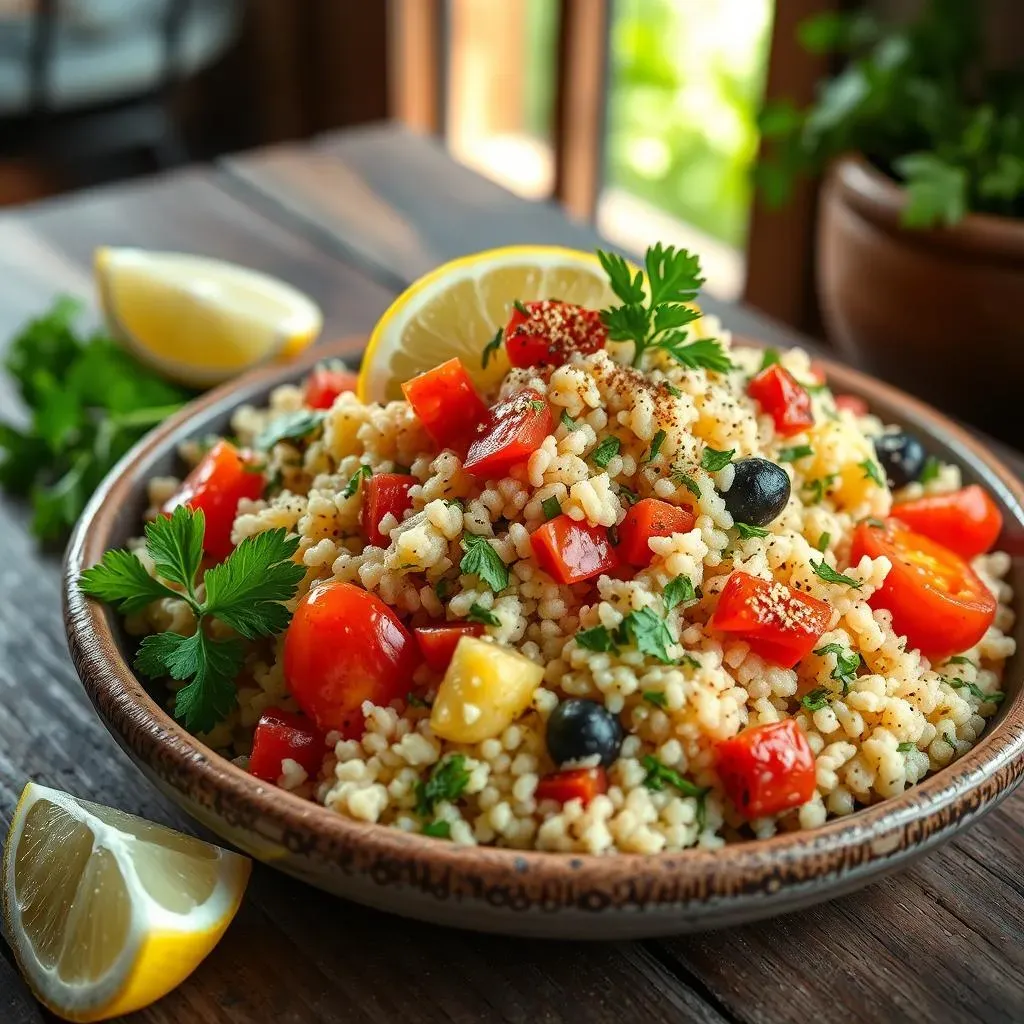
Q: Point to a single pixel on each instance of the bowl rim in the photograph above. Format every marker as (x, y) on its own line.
(871, 841)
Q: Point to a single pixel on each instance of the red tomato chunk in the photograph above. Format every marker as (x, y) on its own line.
(779, 395)
(852, 403)
(581, 784)
(345, 646)
(324, 385)
(780, 624)
(570, 552)
(383, 493)
(650, 517)
(221, 479)
(967, 521)
(936, 599)
(447, 404)
(767, 769)
(437, 643)
(550, 331)
(509, 434)
(282, 734)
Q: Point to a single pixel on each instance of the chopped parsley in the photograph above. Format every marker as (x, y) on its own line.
(818, 487)
(872, 471)
(438, 830)
(656, 442)
(415, 701)
(492, 347)
(960, 659)
(482, 561)
(931, 469)
(817, 698)
(478, 613)
(690, 661)
(770, 358)
(442, 588)
(976, 691)
(606, 451)
(745, 530)
(292, 426)
(597, 638)
(906, 747)
(682, 479)
(950, 739)
(445, 783)
(537, 405)
(673, 390)
(568, 422)
(518, 305)
(824, 571)
(455, 503)
(713, 460)
(847, 663)
(679, 590)
(630, 497)
(656, 697)
(362, 473)
(800, 451)
(642, 629)
(551, 507)
(823, 541)
(660, 775)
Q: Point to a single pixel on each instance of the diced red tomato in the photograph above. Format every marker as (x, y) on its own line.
(577, 784)
(324, 385)
(447, 404)
(570, 552)
(818, 371)
(780, 624)
(221, 479)
(967, 521)
(345, 646)
(509, 434)
(767, 769)
(282, 734)
(383, 493)
(650, 517)
(937, 600)
(550, 331)
(438, 643)
(852, 403)
(779, 395)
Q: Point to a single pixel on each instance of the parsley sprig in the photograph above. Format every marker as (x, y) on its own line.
(482, 561)
(445, 783)
(658, 317)
(246, 591)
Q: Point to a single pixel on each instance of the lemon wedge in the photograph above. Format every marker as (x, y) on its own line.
(198, 320)
(107, 912)
(456, 309)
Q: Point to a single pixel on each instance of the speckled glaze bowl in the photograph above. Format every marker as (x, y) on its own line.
(529, 893)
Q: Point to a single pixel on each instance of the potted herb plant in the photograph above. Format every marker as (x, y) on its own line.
(920, 255)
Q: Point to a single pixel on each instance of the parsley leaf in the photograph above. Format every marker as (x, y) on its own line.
(677, 591)
(362, 473)
(685, 480)
(492, 347)
(122, 580)
(656, 442)
(713, 460)
(847, 663)
(445, 783)
(478, 613)
(906, 746)
(537, 405)
(568, 422)
(818, 487)
(960, 659)
(817, 698)
(292, 426)
(655, 697)
(931, 469)
(597, 638)
(690, 661)
(770, 358)
(823, 541)
(442, 588)
(659, 775)
(673, 390)
(176, 545)
(551, 507)
(936, 190)
(482, 561)
(872, 471)
(745, 530)
(976, 691)
(606, 451)
(518, 305)
(628, 496)
(647, 632)
(438, 830)
(800, 451)
(823, 570)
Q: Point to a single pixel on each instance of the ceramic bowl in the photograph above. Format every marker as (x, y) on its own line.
(529, 893)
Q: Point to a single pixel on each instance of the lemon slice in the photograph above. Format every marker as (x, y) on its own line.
(199, 320)
(456, 309)
(107, 912)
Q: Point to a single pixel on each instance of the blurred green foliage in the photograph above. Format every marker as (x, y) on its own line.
(687, 78)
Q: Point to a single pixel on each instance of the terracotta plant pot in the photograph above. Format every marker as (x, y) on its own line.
(938, 312)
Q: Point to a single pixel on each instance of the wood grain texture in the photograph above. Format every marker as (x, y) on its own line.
(350, 223)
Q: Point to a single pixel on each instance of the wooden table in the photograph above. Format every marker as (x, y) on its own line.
(351, 219)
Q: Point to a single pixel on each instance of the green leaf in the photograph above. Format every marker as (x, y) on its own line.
(442, 588)
(361, 474)
(872, 471)
(672, 390)
(606, 451)
(482, 561)
(816, 699)
(672, 318)
(704, 354)
(627, 286)
(690, 661)
(248, 589)
(931, 469)
(746, 531)
(673, 275)
(906, 746)
(627, 495)
(415, 701)
(685, 480)
(659, 775)
(976, 691)
(597, 638)
(1005, 182)
(818, 488)
(779, 118)
(175, 544)
(568, 422)
(438, 830)
(122, 580)
(656, 442)
(771, 357)
(677, 591)
(478, 613)
(627, 323)
(655, 697)
(936, 190)
(647, 632)
(520, 308)
(292, 426)
(829, 575)
(832, 31)
(492, 347)
(445, 783)
(847, 663)
(960, 659)
(823, 541)
(714, 460)
(550, 507)
(794, 454)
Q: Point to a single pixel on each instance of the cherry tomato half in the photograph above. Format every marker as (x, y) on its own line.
(780, 624)
(966, 521)
(437, 643)
(767, 769)
(383, 493)
(570, 552)
(550, 331)
(779, 395)
(650, 517)
(581, 784)
(937, 600)
(345, 646)
(220, 480)
(324, 385)
(509, 434)
(447, 404)
(282, 734)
